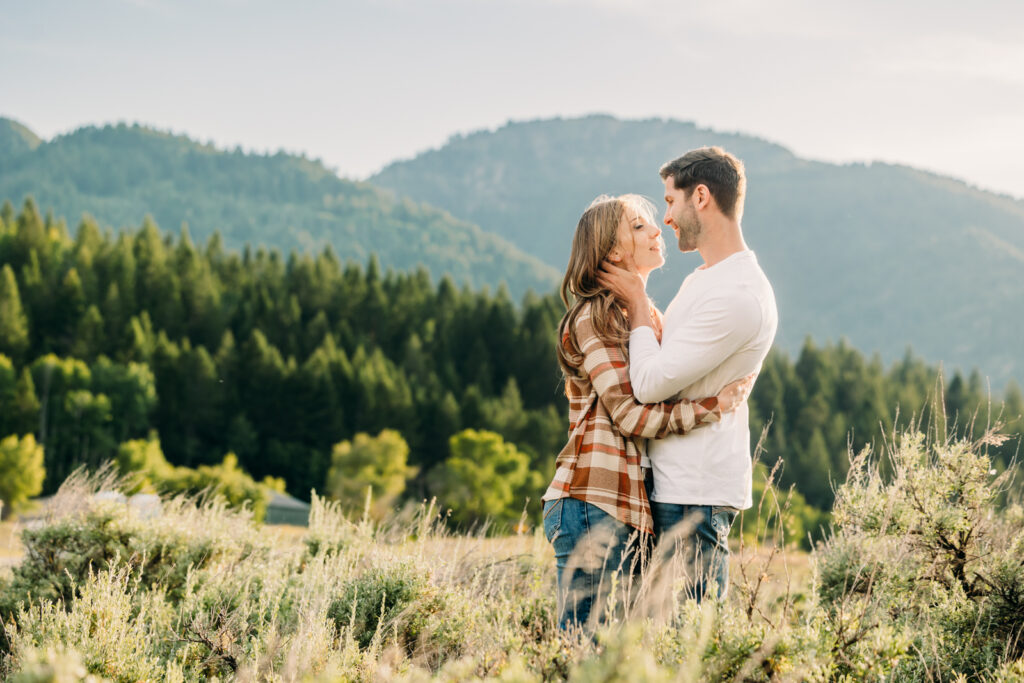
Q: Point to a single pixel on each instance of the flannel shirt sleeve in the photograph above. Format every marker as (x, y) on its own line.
(609, 374)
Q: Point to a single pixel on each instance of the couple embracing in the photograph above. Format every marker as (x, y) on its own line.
(658, 458)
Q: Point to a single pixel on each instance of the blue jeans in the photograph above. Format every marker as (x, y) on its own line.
(591, 546)
(694, 541)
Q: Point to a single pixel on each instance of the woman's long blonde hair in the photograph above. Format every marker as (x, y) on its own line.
(596, 235)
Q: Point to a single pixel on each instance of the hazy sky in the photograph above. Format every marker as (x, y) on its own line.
(937, 85)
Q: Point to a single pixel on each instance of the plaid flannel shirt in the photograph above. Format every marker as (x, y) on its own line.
(608, 428)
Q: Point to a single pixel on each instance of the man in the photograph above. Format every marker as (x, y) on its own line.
(717, 329)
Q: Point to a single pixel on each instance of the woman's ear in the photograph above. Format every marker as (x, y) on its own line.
(615, 255)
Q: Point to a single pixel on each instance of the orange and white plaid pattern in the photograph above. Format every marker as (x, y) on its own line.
(608, 428)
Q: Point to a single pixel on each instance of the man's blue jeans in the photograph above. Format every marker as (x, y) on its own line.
(693, 542)
(595, 554)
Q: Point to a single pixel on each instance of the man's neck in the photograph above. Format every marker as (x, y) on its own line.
(726, 240)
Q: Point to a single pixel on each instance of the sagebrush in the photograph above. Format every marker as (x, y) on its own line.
(920, 577)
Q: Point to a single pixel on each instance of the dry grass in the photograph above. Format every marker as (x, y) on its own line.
(10, 544)
(464, 549)
(408, 599)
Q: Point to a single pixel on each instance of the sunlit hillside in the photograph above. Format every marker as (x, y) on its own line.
(885, 256)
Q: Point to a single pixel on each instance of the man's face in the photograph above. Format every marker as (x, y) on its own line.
(681, 216)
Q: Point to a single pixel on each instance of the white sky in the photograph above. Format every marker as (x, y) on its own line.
(934, 84)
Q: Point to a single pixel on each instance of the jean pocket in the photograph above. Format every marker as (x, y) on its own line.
(552, 518)
(722, 518)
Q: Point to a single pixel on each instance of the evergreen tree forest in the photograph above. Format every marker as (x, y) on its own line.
(106, 338)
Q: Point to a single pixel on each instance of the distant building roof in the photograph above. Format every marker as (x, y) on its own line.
(283, 500)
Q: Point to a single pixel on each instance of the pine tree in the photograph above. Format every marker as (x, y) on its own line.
(87, 244)
(26, 404)
(90, 335)
(956, 401)
(58, 382)
(14, 330)
(30, 234)
(69, 309)
(814, 472)
(131, 388)
(112, 313)
(7, 214)
(8, 389)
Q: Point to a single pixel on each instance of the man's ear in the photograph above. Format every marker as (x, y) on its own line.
(702, 197)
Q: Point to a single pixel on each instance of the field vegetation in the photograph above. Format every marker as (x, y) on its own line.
(919, 578)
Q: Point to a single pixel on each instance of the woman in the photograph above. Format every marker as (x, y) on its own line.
(596, 512)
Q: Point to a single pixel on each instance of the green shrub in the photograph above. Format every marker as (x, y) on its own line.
(373, 600)
(82, 535)
(60, 555)
(401, 601)
(330, 532)
(142, 463)
(921, 558)
(378, 462)
(112, 631)
(21, 472)
(1003, 608)
(53, 665)
(484, 478)
(225, 480)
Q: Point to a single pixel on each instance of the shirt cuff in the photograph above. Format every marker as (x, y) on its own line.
(707, 410)
(644, 334)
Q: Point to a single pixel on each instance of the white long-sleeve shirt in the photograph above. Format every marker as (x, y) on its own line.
(718, 328)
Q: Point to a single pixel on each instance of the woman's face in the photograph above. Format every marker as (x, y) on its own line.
(639, 236)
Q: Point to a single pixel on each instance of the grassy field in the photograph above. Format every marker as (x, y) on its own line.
(919, 579)
(780, 571)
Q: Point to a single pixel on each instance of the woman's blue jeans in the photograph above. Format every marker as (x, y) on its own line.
(597, 558)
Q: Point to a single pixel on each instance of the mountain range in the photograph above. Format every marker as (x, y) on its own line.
(887, 256)
(119, 174)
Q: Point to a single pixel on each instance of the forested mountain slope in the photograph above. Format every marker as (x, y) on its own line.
(887, 256)
(120, 173)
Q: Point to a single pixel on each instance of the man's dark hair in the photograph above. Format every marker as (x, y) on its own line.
(720, 171)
